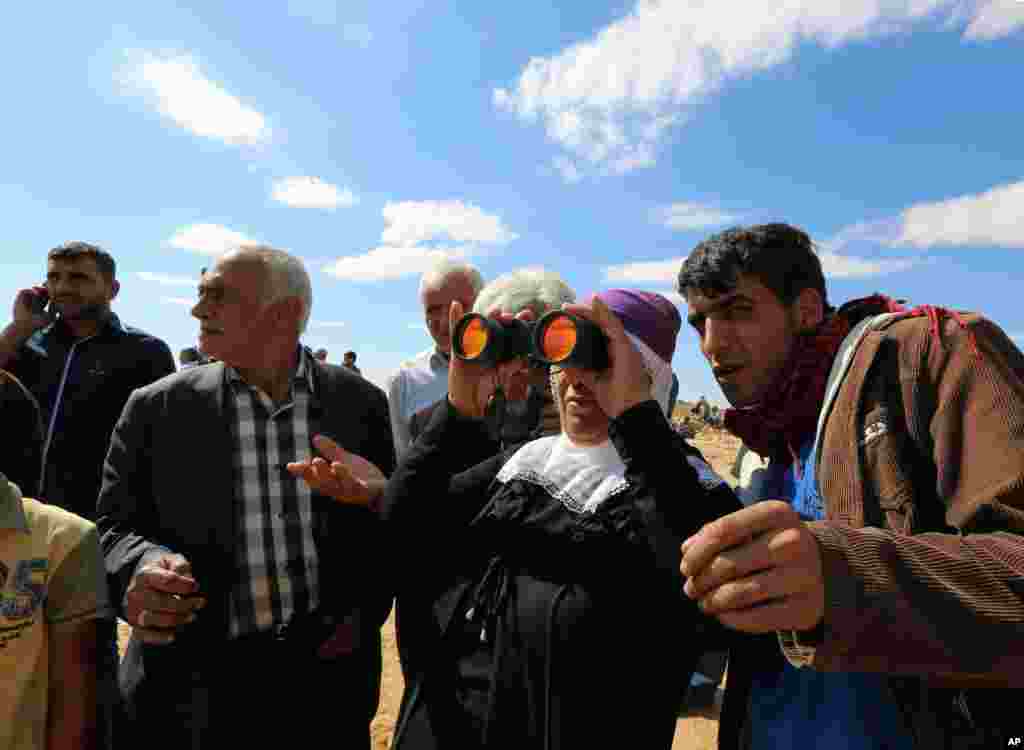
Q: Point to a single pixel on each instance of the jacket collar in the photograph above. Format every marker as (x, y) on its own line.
(59, 329)
(840, 367)
(305, 373)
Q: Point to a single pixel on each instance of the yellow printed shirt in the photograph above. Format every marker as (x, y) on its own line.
(51, 578)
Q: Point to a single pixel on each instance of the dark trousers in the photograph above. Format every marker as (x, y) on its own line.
(259, 694)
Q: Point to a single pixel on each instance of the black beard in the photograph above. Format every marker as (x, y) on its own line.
(97, 311)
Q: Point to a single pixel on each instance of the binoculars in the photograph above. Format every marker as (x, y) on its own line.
(558, 338)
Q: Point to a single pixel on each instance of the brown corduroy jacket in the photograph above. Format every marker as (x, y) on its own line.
(921, 468)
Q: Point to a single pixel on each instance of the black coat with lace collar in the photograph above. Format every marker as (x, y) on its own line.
(524, 623)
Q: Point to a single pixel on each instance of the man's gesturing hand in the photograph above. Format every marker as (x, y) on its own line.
(342, 475)
(757, 570)
(161, 598)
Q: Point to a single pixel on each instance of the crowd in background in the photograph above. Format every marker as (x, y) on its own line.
(561, 559)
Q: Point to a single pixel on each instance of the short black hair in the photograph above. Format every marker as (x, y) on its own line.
(74, 250)
(780, 256)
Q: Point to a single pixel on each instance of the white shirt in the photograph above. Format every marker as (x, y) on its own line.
(419, 383)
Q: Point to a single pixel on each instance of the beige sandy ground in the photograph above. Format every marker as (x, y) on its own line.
(698, 731)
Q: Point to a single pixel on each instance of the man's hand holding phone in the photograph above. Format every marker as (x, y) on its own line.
(32, 310)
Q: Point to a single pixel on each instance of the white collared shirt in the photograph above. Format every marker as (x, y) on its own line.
(419, 383)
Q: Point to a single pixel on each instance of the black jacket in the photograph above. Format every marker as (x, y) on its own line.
(100, 376)
(169, 482)
(21, 440)
(524, 624)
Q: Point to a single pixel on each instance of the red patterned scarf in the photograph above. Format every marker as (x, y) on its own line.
(779, 425)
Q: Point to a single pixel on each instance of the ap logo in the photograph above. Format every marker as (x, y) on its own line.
(1014, 742)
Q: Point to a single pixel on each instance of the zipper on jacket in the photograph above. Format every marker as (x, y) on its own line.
(56, 408)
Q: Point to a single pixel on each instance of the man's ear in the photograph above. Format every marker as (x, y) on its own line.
(115, 287)
(288, 312)
(810, 309)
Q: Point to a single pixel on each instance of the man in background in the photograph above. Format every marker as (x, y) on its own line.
(350, 362)
(421, 381)
(79, 361)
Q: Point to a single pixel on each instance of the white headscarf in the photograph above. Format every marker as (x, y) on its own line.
(582, 477)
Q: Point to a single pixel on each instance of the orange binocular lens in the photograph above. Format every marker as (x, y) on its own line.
(558, 340)
(473, 338)
(487, 341)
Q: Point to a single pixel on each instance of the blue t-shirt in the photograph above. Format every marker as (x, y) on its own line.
(810, 709)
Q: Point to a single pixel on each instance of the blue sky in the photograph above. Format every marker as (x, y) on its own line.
(601, 141)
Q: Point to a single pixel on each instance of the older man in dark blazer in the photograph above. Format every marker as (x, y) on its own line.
(254, 602)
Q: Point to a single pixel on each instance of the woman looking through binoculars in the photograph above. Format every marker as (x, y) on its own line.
(538, 585)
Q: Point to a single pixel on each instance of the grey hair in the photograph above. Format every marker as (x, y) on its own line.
(530, 288)
(437, 276)
(286, 276)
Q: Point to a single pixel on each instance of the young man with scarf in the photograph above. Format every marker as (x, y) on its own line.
(883, 557)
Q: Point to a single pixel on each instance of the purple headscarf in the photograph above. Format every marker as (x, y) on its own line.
(648, 316)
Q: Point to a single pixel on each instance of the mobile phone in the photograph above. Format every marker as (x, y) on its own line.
(40, 300)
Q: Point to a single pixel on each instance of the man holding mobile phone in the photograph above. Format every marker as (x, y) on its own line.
(73, 354)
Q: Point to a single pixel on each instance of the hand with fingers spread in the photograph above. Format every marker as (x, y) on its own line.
(757, 570)
(470, 384)
(162, 598)
(344, 476)
(626, 382)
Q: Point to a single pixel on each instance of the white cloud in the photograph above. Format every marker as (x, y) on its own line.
(167, 279)
(311, 192)
(389, 262)
(182, 301)
(866, 233)
(183, 93)
(688, 216)
(412, 222)
(358, 34)
(419, 234)
(838, 266)
(995, 19)
(656, 271)
(207, 239)
(995, 217)
(327, 324)
(609, 101)
(835, 266)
